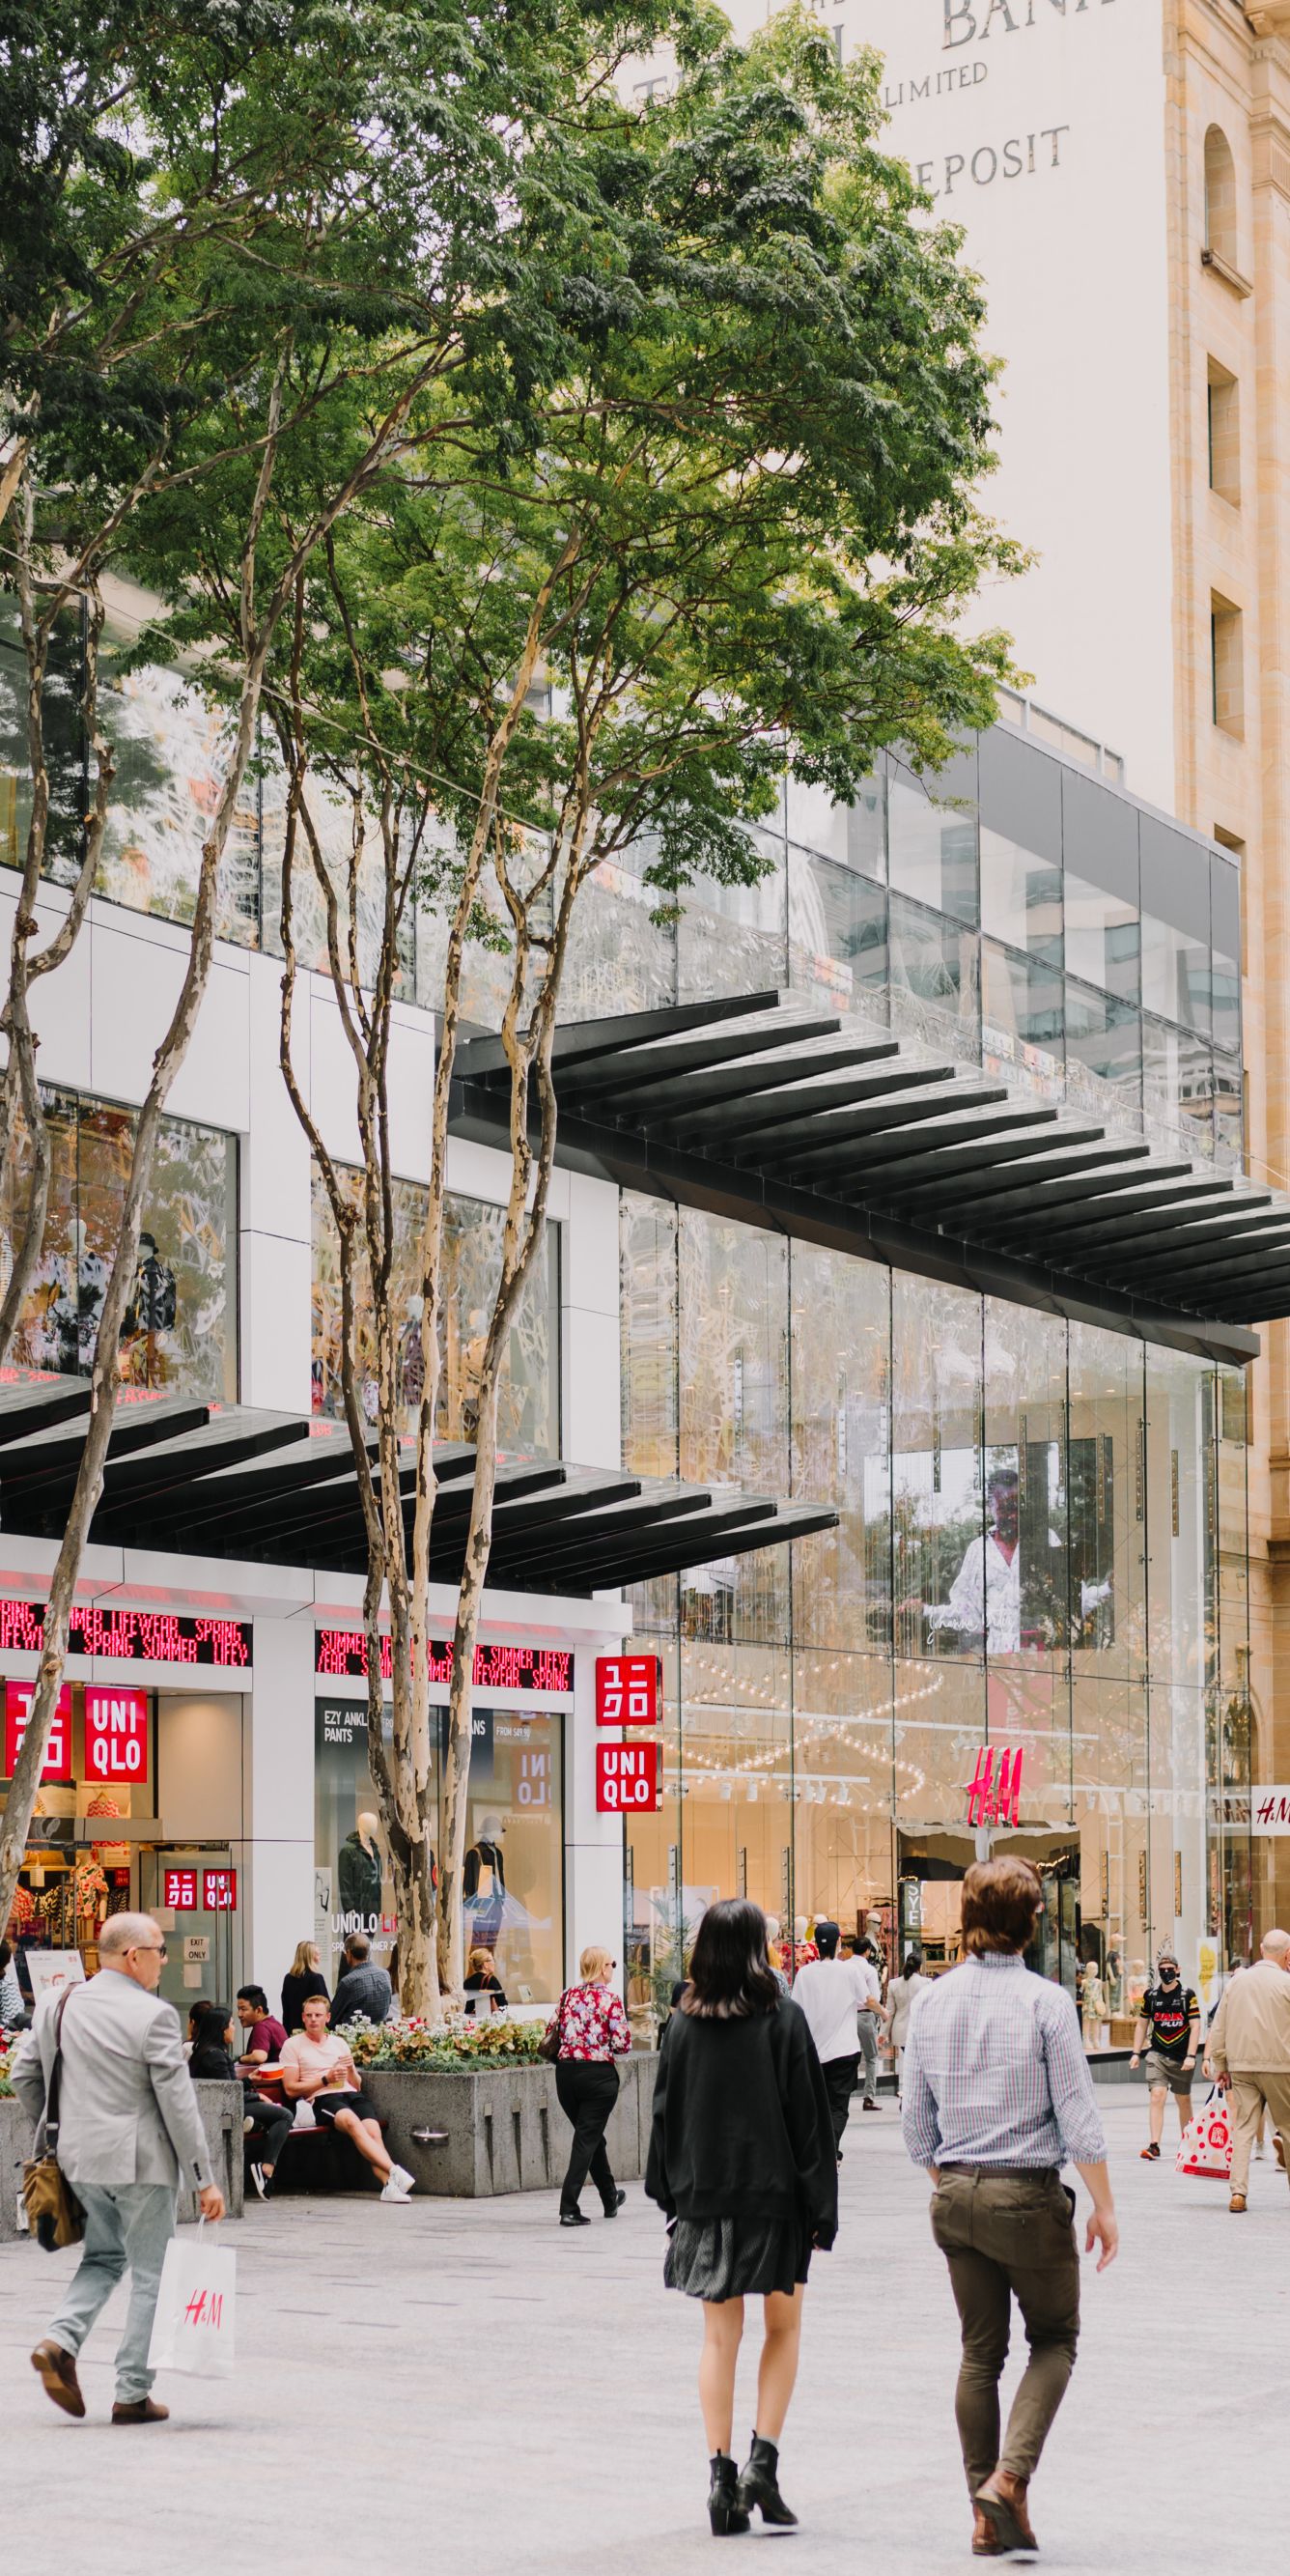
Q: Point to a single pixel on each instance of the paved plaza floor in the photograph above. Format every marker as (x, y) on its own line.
(467, 2385)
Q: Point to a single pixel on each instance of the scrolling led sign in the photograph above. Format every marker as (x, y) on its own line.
(131, 1636)
(342, 1652)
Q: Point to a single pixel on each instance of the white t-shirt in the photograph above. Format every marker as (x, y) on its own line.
(831, 1992)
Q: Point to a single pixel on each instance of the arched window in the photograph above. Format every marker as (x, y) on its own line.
(1220, 196)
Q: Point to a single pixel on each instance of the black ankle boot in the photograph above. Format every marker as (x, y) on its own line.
(724, 2510)
(759, 2484)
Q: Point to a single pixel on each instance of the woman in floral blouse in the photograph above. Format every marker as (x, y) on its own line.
(592, 2029)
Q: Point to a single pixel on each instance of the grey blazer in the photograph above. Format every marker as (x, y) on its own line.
(128, 2112)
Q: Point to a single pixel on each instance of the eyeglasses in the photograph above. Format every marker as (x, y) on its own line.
(150, 1950)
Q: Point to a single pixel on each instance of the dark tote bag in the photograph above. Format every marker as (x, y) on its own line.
(54, 2214)
(549, 2043)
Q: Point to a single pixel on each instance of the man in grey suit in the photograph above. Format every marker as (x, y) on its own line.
(129, 2128)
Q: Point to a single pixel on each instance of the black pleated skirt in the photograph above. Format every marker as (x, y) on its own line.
(737, 2258)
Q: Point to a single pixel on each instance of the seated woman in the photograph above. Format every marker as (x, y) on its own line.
(318, 2069)
(484, 1980)
(210, 2028)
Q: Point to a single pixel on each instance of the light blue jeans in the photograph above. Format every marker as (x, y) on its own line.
(868, 2030)
(128, 2226)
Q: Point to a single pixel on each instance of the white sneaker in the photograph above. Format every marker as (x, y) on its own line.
(407, 2182)
(393, 2190)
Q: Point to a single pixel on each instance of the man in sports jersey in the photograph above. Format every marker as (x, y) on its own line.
(1168, 2031)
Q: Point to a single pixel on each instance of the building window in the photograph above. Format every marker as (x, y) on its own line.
(1227, 687)
(1224, 433)
(180, 1328)
(529, 1411)
(1220, 197)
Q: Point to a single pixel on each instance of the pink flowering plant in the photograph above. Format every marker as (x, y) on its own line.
(8, 2052)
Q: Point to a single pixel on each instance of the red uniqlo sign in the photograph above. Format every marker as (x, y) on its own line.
(179, 1890)
(629, 1690)
(18, 1697)
(219, 1891)
(116, 1733)
(627, 1778)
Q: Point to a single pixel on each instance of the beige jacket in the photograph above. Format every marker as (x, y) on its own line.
(1251, 2033)
(128, 2109)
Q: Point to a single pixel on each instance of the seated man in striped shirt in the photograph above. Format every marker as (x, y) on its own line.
(997, 2097)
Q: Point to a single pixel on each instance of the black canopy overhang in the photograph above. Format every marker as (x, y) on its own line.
(206, 1480)
(817, 1128)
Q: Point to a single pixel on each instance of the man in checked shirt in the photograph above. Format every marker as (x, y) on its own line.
(997, 2096)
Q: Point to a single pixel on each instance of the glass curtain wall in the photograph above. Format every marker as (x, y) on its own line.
(1029, 1624)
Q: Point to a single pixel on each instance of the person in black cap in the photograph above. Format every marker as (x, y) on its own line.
(1168, 2030)
(831, 1991)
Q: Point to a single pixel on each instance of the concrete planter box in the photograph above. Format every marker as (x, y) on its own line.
(221, 2110)
(502, 2130)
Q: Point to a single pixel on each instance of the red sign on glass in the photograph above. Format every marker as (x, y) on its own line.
(116, 1733)
(627, 1779)
(18, 1697)
(179, 1890)
(629, 1690)
(994, 1796)
(219, 1891)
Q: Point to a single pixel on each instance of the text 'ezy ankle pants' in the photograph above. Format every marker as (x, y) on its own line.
(1008, 2233)
(587, 2092)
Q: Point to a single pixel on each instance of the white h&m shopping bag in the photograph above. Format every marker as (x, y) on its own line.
(196, 2307)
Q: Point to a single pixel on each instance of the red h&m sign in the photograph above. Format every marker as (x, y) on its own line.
(994, 1798)
(179, 1890)
(629, 1690)
(627, 1779)
(18, 1697)
(116, 1733)
(219, 1891)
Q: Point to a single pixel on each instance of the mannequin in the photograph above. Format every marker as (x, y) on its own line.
(483, 1885)
(359, 1872)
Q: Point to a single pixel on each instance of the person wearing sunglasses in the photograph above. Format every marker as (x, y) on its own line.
(129, 2135)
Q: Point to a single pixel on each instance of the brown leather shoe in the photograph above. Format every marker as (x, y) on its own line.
(142, 2410)
(1003, 2501)
(1279, 2148)
(58, 2374)
(985, 2539)
(1237, 2203)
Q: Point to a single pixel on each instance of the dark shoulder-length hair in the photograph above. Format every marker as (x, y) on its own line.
(730, 1975)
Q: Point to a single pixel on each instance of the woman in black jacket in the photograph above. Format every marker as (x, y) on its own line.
(741, 2159)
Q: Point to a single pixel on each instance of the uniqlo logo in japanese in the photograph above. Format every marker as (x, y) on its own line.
(994, 1797)
(219, 1891)
(628, 1690)
(179, 1890)
(18, 1697)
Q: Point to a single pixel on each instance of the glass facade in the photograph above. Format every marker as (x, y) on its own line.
(180, 1330)
(529, 1414)
(1031, 1617)
(1019, 914)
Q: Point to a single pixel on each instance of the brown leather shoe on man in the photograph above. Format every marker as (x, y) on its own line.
(1003, 2501)
(985, 2539)
(1237, 2203)
(141, 2410)
(58, 2374)
(1279, 2148)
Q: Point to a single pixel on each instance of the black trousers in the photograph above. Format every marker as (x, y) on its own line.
(273, 2126)
(840, 2083)
(586, 2093)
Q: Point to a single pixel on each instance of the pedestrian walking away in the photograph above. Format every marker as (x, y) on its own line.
(317, 2069)
(1168, 2031)
(902, 1995)
(129, 2131)
(743, 2164)
(1249, 2051)
(998, 2096)
(591, 2029)
(871, 2020)
(831, 1992)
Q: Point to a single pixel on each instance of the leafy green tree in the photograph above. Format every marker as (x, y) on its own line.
(738, 537)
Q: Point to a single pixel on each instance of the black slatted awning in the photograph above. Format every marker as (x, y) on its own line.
(270, 1488)
(757, 1108)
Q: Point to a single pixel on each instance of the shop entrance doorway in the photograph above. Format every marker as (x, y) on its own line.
(931, 1870)
(200, 1963)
